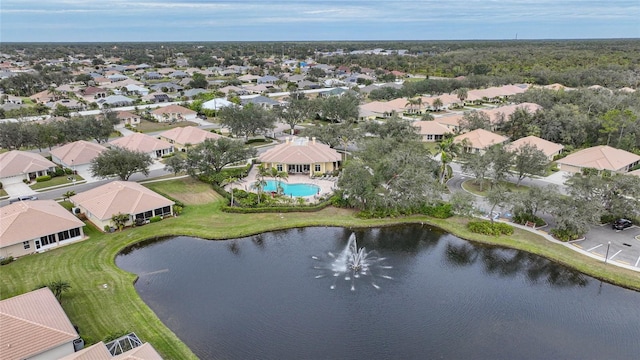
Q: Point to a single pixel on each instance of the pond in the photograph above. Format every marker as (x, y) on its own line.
(426, 294)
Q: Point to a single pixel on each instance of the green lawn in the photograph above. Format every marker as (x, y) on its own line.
(56, 181)
(99, 311)
(3, 193)
(474, 188)
(146, 126)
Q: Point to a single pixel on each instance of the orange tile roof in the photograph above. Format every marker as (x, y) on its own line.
(547, 147)
(26, 220)
(600, 157)
(94, 352)
(431, 128)
(480, 138)
(78, 152)
(16, 162)
(119, 197)
(173, 109)
(300, 151)
(33, 323)
(188, 135)
(143, 352)
(140, 142)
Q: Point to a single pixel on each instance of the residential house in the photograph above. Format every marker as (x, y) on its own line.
(382, 109)
(183, 137)
(34, 326)
(99, 351)
(261, 101)
(152, 75)
(100, 204)
(249, 78)
(267, 79)
(77, 155)
(115, 101)
(16, 166)
(600, 157)
(128, 118)
(71, 104)
(169, 86)
(44, 97)
(302, 156)
(431, 131)
(91, 93)
(191, 93)
(157, 97)
(477, 141)
(178, 74)
(550, 149)
(36, 225)
(11, 99)
(145, 144)
(137, 89)
(217, 104)
(173, 113)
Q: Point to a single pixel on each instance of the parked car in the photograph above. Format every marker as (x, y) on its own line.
(621, 224)
(23, 198)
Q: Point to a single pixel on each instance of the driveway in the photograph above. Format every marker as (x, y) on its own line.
(18, 189)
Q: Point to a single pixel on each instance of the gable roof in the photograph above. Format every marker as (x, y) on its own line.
(126, 115)
(601, 157)
(33, 323)
(140, 142)
(119, 197)
(480, 138)
(78, 152)
(26, 220)
(16, 162)
(300, 151)
(547, 147)
(188, 135)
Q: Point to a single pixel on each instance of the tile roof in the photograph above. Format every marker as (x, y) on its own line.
(188, 135)
(16, 162)
(601, 157)
(143, 352)
(431, 128)
(480, 138)
(94, 352)
(140, 142)
(119, 197)
(173, 109)
(26, 220)
(547, 147)
(300, 151)
(78, 152)
(33, 323)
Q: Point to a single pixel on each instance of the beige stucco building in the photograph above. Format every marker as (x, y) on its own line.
(302, 156)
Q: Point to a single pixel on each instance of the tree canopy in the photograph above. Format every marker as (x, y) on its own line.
(120, 162)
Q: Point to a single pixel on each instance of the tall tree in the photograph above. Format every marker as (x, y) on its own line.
(246, 121)
(209, 157)
(340, 109)
(529, 161)
(120, 162)
(298, 110)
(475, 120)
(446, 151)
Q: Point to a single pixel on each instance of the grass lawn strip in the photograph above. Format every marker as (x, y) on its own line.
(56, 181)
(100, 311)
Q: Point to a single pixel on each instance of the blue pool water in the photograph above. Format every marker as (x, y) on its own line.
(292, 189)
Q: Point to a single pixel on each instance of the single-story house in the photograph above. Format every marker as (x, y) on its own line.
(431, 131)
(600, 157)
(34, 326)
(173, 113)
(144, 143)
(92, 92)
(36, 225)
(550, 149)
(476, 141)
(183, 137)
(100, 204)
(129, 118)
(137, 89)
(16, 166)
(217, 104)
(76, 155)
(115, 100)
(99, 351)
(191, 93)
(262, 101)
(302, 156)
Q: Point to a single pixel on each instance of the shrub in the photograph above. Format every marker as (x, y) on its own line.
(1, 186)
(565, 234)
(522, 218)
(168, 155)
(58, 172)
(256, 140)
(177, 209)
(490, 228)
(6, 260)
(440, 211)
(26, 181)
(43, 178)
(155, 219)
(68, 171)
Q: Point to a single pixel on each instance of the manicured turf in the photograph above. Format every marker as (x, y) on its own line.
(56, 181)
(100, 311)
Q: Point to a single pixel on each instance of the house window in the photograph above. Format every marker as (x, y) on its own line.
(47, 240)
(429, 137)
(145, 215)
(279, 167)
(162, 211)
(26, 245)
(64, 235)
(317, 168)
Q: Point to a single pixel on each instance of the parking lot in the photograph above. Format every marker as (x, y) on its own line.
(624, 248)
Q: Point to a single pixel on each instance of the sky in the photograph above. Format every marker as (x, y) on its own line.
(314, 20)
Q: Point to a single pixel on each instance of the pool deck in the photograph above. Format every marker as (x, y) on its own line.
(326, 186)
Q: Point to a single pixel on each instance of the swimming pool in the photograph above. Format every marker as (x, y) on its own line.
(298, 189)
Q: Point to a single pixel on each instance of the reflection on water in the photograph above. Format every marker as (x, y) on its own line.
(257, 298)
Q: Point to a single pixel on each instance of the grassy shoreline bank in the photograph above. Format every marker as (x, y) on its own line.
(100, 311)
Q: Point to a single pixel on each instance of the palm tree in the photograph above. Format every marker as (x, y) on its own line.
(462, 93)
(447, 149)
(119, 220)
(414, 102)
(260, 181)
(68, 194)
(58, 287)
(437, 104)
(230, 181)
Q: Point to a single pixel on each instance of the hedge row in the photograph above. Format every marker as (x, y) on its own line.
(275, 209)
(490, 228)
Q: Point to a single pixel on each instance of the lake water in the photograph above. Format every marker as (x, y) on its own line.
(438, 297)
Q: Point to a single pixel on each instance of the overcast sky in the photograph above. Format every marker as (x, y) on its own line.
(299, 20)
